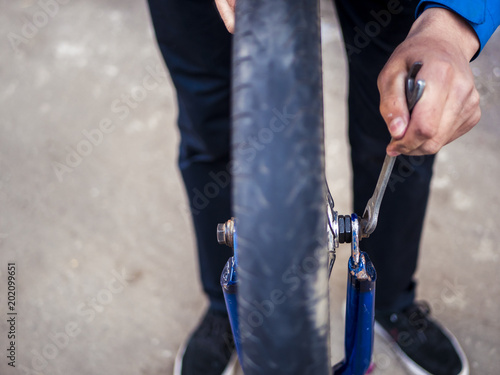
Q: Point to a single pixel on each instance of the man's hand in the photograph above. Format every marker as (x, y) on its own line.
(449, 107)
(226, 11)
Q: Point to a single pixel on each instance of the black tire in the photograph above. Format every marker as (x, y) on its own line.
(278, 192)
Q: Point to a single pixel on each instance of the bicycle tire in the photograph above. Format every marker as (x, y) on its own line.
(278, 194)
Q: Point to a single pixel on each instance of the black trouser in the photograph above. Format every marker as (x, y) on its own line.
(196, 49)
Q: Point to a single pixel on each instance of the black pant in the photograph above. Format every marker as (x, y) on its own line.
(196, 49)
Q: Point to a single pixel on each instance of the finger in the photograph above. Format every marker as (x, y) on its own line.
(467, 99)
(226, 11)
(458, 118)
(469, 122)
(393, 107)
(424, 129)
(461, 113)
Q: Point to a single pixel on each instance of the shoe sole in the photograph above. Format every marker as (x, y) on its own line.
(409, 364)
(230, 369)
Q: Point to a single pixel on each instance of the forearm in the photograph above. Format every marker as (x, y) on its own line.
(483, 16)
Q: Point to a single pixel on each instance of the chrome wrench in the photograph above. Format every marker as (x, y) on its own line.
(414, 90)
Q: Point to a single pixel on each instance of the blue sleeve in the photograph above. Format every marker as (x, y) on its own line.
(482, 15)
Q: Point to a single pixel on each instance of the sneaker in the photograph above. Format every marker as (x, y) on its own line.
(209, 350)
(423, 346)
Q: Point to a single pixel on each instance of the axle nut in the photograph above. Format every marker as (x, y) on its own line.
(225, 233)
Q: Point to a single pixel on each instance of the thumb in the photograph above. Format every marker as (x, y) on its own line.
(393, 107)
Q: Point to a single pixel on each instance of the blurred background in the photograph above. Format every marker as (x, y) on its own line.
(93, 213)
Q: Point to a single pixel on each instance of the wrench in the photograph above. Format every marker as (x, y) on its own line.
(414, 90)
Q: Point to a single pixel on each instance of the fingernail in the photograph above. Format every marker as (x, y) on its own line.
(397, 127)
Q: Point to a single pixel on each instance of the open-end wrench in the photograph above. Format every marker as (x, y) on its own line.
(414, 90)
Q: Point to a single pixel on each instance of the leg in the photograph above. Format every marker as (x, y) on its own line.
(196, 49)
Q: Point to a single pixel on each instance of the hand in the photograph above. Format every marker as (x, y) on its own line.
(226, 11)
(449, 107)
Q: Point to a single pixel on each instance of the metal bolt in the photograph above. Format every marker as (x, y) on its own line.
(225, 233)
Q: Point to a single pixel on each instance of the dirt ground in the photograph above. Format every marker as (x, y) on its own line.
(94, 216)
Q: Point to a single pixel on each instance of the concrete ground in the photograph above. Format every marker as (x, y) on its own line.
(93, 213)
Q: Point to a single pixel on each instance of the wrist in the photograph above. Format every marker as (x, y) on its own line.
(449, 26)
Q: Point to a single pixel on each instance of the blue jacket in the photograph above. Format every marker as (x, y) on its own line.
(482, 15)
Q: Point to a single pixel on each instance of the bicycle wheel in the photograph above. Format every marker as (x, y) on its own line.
(278, 195)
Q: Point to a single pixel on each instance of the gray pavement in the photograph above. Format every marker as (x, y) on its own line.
(93, 213)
